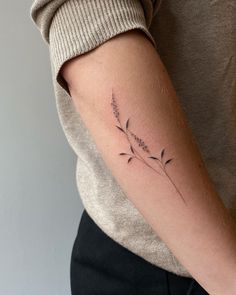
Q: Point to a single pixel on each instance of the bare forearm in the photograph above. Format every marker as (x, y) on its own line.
(124, 94)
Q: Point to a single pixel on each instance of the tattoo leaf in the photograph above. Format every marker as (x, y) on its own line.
(168, 161)
(122, 154)
(120, 128)
(154, 158)
(162, 153)
(130, 159)
(127, 124)
(132, 150)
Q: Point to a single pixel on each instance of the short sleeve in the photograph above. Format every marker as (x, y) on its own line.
(74, 27)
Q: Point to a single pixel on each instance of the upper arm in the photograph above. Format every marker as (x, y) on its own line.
(74, 27)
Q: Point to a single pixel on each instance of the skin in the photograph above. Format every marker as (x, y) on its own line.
(123, 80)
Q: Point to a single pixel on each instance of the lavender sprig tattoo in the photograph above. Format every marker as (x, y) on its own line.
(134, 153)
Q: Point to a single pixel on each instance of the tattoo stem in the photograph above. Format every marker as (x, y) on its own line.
(174, 186)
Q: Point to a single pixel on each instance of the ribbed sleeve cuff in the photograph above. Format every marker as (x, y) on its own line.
(81, 25)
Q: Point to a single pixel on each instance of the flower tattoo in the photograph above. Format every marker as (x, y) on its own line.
(135, 154)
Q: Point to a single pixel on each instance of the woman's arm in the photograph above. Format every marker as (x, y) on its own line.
(125, 98)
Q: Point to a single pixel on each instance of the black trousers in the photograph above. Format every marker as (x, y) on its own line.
(101, 266)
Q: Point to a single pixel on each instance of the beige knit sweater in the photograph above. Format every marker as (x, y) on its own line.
(196, 40)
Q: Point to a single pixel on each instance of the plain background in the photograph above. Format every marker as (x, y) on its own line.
(40, 206)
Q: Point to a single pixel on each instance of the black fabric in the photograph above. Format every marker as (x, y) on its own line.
(101, 266)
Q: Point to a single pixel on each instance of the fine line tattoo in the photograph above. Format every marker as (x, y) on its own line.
(135, 154)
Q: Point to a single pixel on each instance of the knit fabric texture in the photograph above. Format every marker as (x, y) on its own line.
(196, 42)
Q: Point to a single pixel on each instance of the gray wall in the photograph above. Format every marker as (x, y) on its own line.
(40, 207)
